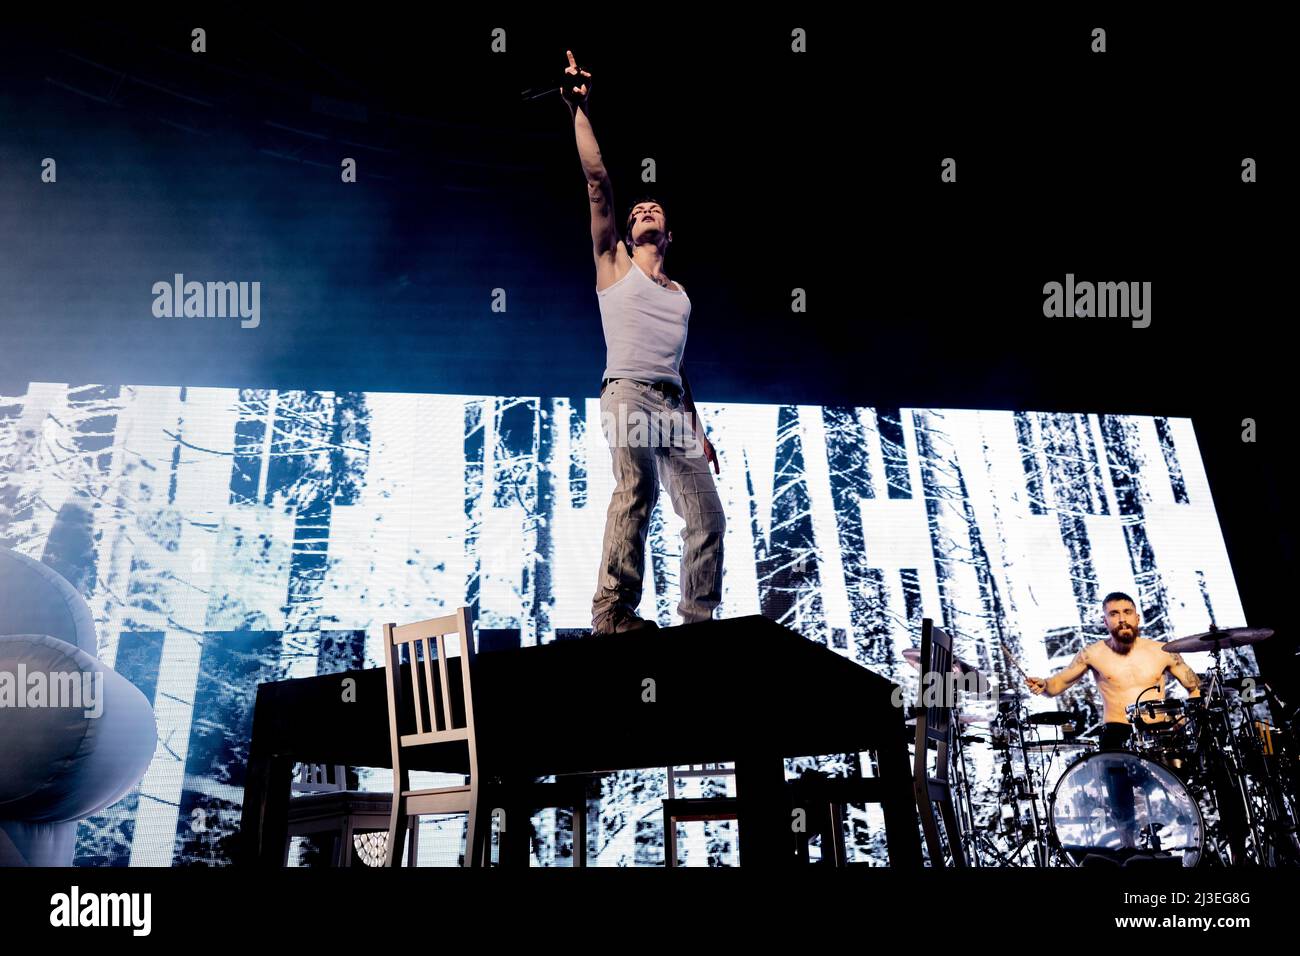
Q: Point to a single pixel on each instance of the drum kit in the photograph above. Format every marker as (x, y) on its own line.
(1202, 781)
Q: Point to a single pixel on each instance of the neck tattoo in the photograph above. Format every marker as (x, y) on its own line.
(661, 279)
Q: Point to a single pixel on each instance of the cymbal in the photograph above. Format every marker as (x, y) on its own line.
(913, 656)
(1219, 639)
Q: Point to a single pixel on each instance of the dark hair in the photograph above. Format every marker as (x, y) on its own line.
(1117, 596)
(627, 239)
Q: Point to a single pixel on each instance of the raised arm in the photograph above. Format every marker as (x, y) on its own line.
(1063, 679)
(600, 193)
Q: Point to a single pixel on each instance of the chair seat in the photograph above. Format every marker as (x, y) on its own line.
(429, 791)
(337, 803)
(344, 813)
(439, 800)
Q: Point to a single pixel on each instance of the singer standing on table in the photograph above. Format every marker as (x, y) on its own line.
(647, 411)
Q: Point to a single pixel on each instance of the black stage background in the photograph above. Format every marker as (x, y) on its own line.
(819, 172)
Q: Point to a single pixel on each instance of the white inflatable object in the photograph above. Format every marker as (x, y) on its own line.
(75, 736)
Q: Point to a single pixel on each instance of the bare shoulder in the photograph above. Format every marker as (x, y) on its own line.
(1161, 649)
(1085, 656)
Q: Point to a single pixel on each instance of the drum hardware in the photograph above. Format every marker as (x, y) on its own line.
(968, 835)
(1265, 734)
(1209, 777)
(1250, 796)
(1225, 762)
(1062, 745)
(1017, 828)
(1020, 821)
(1050, 718)
(1269, 781)
(1164, 730)
(963, 720)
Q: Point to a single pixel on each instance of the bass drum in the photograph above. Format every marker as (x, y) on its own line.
(1112, 806)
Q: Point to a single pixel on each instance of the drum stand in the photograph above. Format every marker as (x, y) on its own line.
(1011, 794)
(999, 845)
(1032, 786)
(965, 812)
(1221, 773)
(1269, 816)
(1272, 775)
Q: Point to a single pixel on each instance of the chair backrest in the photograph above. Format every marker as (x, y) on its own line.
(431, 698)
(320, 778)
(934, 723)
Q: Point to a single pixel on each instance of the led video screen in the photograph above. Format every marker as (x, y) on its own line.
(227, 536)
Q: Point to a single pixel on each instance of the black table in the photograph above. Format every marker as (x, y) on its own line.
(745, 690)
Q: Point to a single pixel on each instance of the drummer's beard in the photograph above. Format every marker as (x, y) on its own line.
(1124, 637)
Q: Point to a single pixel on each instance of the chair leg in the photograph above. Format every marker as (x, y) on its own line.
(396, 832)
(478, 829)
(954, 835)
(413, 840)
(580, 833)
(933, 840)
(472, 837)
(670, 839)
(343, 852)
(836, 836)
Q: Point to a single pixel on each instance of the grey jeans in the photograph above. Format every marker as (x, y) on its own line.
(642, 459)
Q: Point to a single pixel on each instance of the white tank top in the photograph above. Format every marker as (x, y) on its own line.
(645, 328)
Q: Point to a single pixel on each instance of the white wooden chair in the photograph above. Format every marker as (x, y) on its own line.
(437, 721)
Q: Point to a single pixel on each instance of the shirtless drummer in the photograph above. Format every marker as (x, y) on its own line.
(1124, 666)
